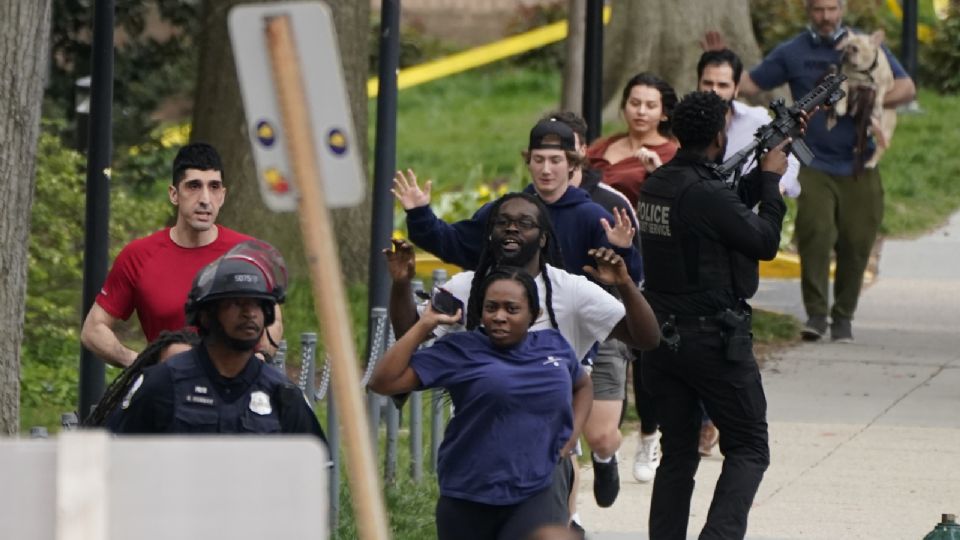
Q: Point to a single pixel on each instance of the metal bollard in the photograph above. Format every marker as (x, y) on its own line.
(308, 365)
(279, 360)
(436, 426)
(416, 436)
(439, 277)
(69, 421)
(39, 432)
(333, 440)
(374, 400)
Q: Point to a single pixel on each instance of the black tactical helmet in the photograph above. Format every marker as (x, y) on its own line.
(252, 269)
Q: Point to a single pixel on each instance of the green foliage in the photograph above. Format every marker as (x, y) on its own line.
(920, 168)
(416, 47)
(147, 71)
(51, 346)
(529, 17)
(940, 60)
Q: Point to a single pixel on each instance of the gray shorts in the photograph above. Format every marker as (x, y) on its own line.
(610, 371)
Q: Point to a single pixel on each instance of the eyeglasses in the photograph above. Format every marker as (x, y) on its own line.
(523, 224)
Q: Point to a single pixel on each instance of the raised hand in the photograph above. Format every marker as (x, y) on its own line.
(408, 192)
(401, 260)
(621, 233)
(610, 270)
(713, 41)
(433, 318)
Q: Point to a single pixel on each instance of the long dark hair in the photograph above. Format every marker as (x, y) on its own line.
(149, 357)
(668, 97)
(549, 254)
(509, 273)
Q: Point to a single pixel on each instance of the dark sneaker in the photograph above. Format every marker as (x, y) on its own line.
(814, 329)
(606, 481)
(841, 331)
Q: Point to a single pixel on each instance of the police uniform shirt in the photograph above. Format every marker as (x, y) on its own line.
(697, 247)
(152, 401)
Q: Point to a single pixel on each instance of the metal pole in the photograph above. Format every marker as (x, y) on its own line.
(908, 50)
(416, 436)
(593, 69)
(333, 440)
(308, 365)
(390, 453)
(98, 192)
(436, 426)
(385, 158)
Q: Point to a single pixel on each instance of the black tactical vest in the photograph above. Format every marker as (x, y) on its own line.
(198, 408)
(676, 260)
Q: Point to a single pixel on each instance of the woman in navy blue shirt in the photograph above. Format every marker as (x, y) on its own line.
(520, 400)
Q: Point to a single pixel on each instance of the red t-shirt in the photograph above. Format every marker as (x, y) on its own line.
(628, 174)
(153, 275)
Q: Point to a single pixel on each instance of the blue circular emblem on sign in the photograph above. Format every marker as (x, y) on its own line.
(337, 142)
(265, 133)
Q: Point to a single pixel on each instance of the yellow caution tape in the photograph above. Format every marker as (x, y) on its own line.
(479, 56)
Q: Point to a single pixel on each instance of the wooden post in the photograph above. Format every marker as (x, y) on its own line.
(319, 244)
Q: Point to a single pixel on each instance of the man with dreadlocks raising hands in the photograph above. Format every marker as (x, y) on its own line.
(553, 162)
(520, 234)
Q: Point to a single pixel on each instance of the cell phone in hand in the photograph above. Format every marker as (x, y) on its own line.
(443, 301)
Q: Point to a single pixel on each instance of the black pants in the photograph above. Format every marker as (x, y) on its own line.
(732, 394)
(642, 399)
(459, 519)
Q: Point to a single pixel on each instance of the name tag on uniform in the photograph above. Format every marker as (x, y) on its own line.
(260, 403)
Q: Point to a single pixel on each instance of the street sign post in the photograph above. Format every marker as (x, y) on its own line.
(314, 146)
(328, 108)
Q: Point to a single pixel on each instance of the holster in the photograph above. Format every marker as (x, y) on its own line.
(738, 339)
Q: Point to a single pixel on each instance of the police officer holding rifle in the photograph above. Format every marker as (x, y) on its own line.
(702, 244)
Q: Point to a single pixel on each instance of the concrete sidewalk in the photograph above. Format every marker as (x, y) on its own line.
(865, 437)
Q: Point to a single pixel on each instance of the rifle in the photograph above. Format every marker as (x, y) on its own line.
(786, 123)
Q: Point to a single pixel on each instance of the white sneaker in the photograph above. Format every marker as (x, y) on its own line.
(647, 458)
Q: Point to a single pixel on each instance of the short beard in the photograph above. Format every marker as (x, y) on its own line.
(518, 259)
(219, 335)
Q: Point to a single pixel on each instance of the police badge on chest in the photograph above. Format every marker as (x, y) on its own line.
(260, 403)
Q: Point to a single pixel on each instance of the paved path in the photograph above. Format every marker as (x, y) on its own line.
(865, 437)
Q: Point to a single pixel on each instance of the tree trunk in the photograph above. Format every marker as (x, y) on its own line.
(572, 96)
(663, 37)
(24, 39)
(219, 120)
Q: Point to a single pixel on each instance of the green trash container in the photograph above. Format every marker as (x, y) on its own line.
(947, 529)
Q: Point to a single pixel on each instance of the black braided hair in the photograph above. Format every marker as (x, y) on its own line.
(549, 253)
(498, 273)
(149, 357)
(698, 118)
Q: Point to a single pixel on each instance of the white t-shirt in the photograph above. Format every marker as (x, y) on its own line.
(585, 312)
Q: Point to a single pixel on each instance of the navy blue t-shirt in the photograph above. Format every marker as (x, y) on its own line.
(514, 412)
(801, 63)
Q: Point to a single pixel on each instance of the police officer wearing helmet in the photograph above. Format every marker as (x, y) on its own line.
(701, 246)
(219, 386)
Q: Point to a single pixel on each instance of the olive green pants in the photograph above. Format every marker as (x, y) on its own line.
(841, 214)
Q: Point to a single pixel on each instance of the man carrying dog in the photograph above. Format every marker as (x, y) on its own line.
(837, 210)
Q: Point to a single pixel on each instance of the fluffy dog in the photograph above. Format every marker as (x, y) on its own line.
(869, 78)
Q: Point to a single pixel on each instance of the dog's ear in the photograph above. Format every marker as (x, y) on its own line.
(878, 37)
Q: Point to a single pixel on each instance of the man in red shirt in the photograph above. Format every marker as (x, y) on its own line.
(152, 275)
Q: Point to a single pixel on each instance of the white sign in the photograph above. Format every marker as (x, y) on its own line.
(337, 153)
